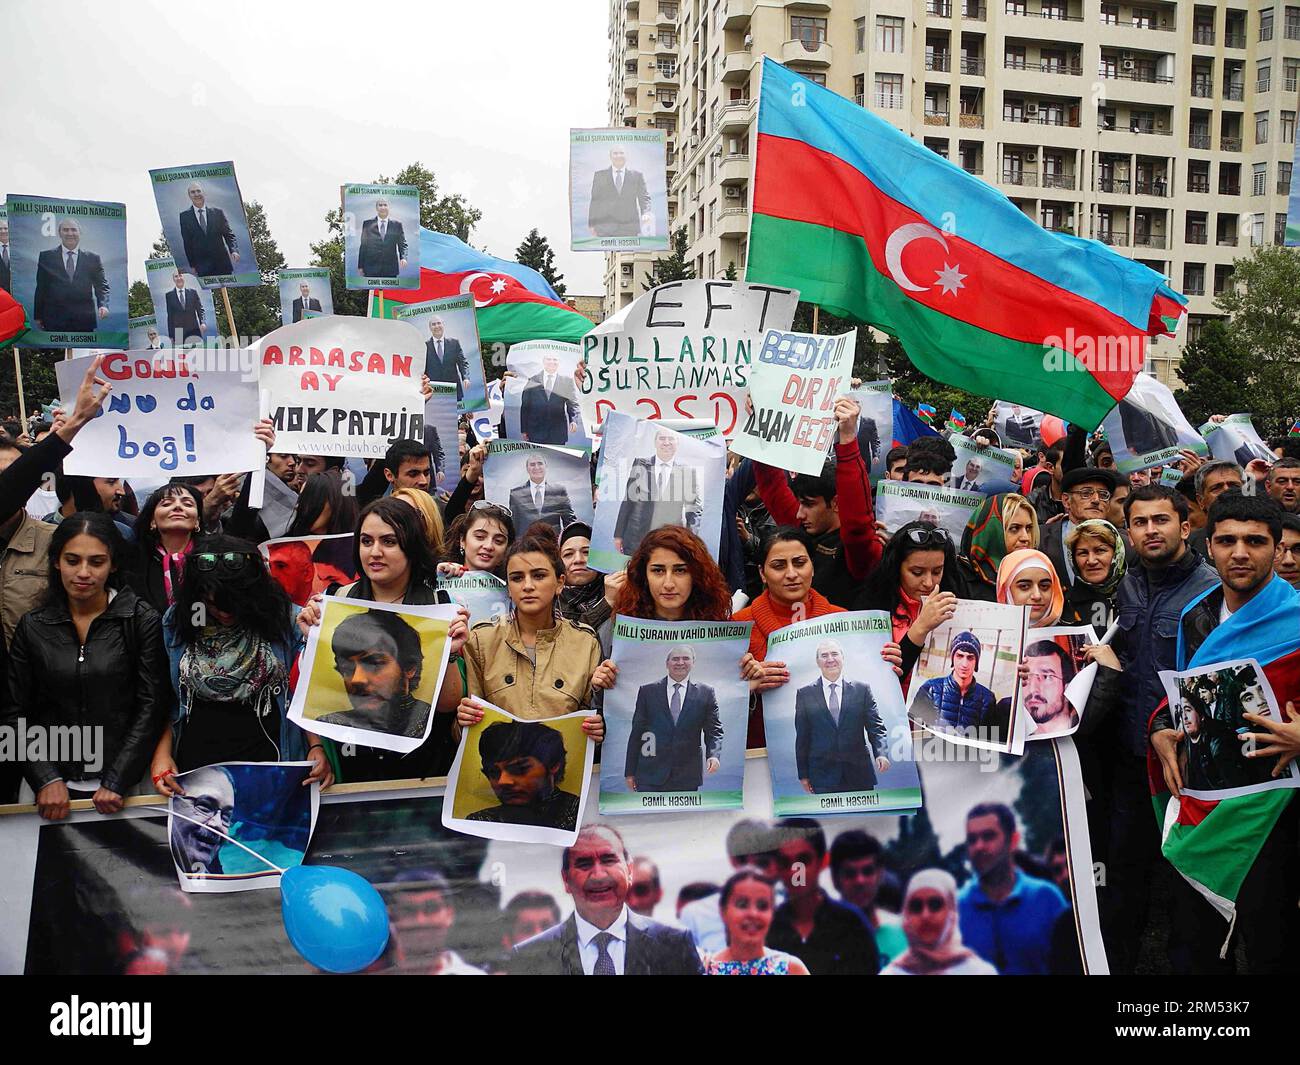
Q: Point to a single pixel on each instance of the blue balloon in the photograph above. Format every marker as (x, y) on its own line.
(333, 917)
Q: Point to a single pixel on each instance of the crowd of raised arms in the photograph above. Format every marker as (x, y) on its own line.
(158, 620)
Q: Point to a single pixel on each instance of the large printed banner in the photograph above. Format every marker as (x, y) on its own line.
(537, 483)
(304, 293)
(343, 385)
(683, 350)
(1146, 428)
(67, 261)
(875, 423)
(491, 895)
(184, 308)
(981, 468)
(451, 347)
(676, 742)
(381, 236)
(793, 385)
(1236, 439)
(899, 502)
(618, 189)
(165, 416)
(202, 215)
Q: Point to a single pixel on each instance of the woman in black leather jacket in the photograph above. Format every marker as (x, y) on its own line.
(91, 658)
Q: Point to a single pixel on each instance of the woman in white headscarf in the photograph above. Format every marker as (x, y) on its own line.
(934, 945)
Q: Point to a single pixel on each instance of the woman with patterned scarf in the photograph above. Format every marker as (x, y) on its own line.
(166, 529)
(1001, 524)
(1097, 556)
(232, 640)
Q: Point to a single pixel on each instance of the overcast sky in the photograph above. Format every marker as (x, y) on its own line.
(304, 98)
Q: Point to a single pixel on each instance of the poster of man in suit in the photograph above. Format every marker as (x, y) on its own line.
(875, 423)
(980, 467)
(304, 293)
(1017, 426)
(1147, 428)
(618, 189)
(67, 264)
(539, 483)
(144, 334)
(203, 219)
(838, 739)
(183, 309)
(675, 719)
(1236, 439)
(541, 396)
(381, 236)
(452, 354)
(441, 437)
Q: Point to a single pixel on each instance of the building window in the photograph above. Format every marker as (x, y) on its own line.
(859, 89)
(1054, 9)
(1263, 76)
(815, 78)
(1293, 23)
(1015, 7)
(1144, 18)
(1194, 279)
(713, 264)
(889, 91)
(1015, 57)
(1279, 229)
(1266, 24)
(1261, 127)
(1110, 14)
(1288, 127)
(1256, 230)
(810, 31)
(889, 34)
(859, 34)
(1259, 179)
(1290, 74)
(1283, 178)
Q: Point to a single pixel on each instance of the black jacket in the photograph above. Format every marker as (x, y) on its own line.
(120, 682)
(653, 949)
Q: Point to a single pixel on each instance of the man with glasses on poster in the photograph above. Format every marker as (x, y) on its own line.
(209, 797)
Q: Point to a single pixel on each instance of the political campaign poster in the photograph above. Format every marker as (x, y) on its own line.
(239, 823)
(980, 467)
(342, 385)
(649, 475)
(537, 483)
(966, 684)
(1146, 427)
(681, 350)
(1235, 440)
(794, 382)
(136, 920)
(1171, 476)
(304, 293)
(520, 780)
(676, 717)
(898, 502)
(1208, 706)
(180, 303)
(618, 189)
(144, 334)
(306, 565)
(1055, 690)
(482, 594)
(168, 413)
(371, 672)
(442, 437)
(541, 397)
(1292, 234)
(1017, 425)
(381, 236)
(67, 265)
(452, 354)
(875, 423)
(203, 219)
(484, 424)
(838, 738)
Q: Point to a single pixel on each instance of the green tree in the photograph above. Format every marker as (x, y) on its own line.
(139, 300)
(672, 267)
(1215, 371)
(730, 274)
(256, 310)
(536, 252)
(1264, 321)
(40, 385)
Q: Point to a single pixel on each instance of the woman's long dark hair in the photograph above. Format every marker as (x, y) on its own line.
(881, 590)
(250, 593)
(409, 530)
(83, 523)
(462, 524)
(319, 490)
(148, 538)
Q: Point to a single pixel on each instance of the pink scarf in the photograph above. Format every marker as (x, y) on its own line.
(172, 580)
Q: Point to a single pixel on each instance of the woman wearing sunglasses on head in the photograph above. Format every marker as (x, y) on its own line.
(166, 529)
(477, 540)
(232, 641)
(91, 658)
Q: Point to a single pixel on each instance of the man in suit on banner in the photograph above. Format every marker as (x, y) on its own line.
(970, 480)
(676, 732)
(537, 500)
(660, 491)
(548, 408)
(382, 252)
(1144, 430)
(184, 312)
(306, 303)
(71, 288)
(602, 937)
(444, 360)
(839, 738)
(210, 246)
(618, 198)
(6, 267)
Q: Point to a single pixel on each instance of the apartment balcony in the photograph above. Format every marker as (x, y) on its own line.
(935, 117)
(938, 8)
(1136, 74)
(736, 66)
(1113, 186)
(1194, 289)
(667, 15)
(733, 222)
(736, 117)
(1060, 181)
(1226, 240)
(1150, 240)
(973, 13)
(1197, 236)
(1153, 187)
(1116, 238)
(941, 61)
(1236, 93)
(966, 121)
(1234, 40)
(1202, 91)
(665, 105)
(1199, 140)
(1140, 128)
(1203, 35)
(1025, 178)
(1042, 119)
(973, 168)
(1229, 144)
(738, 14)
(1049, 15)
(735, 169)
(1046, 67)
(666, 44)
(811, 53)
(972, 66)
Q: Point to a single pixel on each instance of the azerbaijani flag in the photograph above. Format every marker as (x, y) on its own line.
(926, 413)
(1293, 431)
(908, 426)
(13, 322)
(513, 303)
(874, 226)
(956, 420)
(1211, 843)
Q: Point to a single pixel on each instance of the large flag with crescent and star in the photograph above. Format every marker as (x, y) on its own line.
(874, 226)
(512, 302)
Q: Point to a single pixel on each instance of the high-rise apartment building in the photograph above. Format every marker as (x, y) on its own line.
(1165, 130)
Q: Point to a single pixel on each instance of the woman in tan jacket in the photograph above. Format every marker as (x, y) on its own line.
(532, 663)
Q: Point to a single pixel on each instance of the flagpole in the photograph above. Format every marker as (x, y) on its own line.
(22, 402)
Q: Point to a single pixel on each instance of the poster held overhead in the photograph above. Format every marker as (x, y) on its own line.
(618, 189)
(452, 354)
(541, 400)
(980, 467)
(203, 219)
(304, 293)
(184, 308)
(876, 435)
(381, 246)
(537, 483)
(898, 502)
(1235, 439)
(1148, 429)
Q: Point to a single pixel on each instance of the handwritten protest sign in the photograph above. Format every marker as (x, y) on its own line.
(794, 383)
(343, 385)
(681, 351)
(168, 413)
